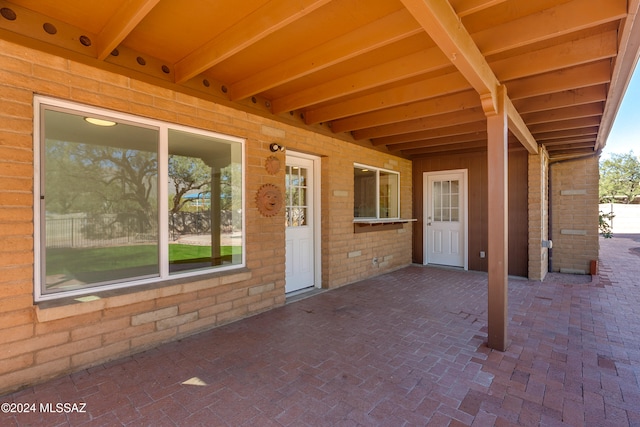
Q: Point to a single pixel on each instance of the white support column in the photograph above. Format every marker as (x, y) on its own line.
(497, 160)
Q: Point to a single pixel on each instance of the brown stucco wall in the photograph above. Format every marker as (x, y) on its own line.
(40, 341)
(476, 164)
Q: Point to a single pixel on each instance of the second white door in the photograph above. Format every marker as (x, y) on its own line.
(445, 218)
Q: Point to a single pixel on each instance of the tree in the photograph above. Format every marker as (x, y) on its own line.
(187, 174)
(620, 178)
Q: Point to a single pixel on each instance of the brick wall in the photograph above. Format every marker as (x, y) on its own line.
(574, 214)
(46, 340)
(538, 203)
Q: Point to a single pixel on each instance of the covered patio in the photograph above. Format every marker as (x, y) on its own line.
(405, 348)
(343, 142)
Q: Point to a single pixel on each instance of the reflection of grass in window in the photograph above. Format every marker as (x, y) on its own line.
(60, 261)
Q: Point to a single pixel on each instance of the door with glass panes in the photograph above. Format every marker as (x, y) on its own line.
(445, 218)
(299, 199)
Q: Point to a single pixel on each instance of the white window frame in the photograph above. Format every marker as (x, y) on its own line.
(377, 171)
(163, 202)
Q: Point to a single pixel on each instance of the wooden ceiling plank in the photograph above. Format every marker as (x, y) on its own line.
(429, 107)
(569, 153)
(569, 133)
(623, 69)
(264, 21)
(447, 148)
(388, 72)
(426, 135)
(562, 19)
(567, 142)
(431, 88)
(562, 80)
(565, 55)
(470, 137)
(468, 7)
(566, 113)
(427, 123)
(584, 122)
(562, 99)
(385, 31)
(126, 18)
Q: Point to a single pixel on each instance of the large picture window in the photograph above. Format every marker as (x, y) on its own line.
(126, 201)
(376, 193)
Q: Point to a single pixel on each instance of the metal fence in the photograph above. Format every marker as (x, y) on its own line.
(82, 231)
(85, 231)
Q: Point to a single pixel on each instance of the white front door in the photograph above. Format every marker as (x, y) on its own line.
(445, 210)
(299, 216)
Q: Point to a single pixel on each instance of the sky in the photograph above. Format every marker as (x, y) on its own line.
(625, 134)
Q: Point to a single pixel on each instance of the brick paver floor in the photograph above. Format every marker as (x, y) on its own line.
(405, 348)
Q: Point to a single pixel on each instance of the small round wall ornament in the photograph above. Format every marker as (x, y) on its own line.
(272, 165)
(269, 200)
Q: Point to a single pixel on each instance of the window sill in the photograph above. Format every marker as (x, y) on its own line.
(367, 225)
(66, 307)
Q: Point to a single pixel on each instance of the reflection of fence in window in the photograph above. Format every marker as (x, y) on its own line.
(189, 223)
(99, 231)
(199, 223)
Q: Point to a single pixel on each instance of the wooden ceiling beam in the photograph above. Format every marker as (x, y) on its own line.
(565, 154)
(569, 141)
(519, 128)
(427, 123)
(623, 69)
(121, 23)
(442, 24)
(569, 133)
(430, 107)
(385, 31)
(426, 135)
(562, 99)
(567, 113)
(468, 7)
(254, 27)
(426, 89)
(565, 55)
(568, 54)
(385, 73)
(563, 80)
(585, 122)
(439, 20)
(549, 23)
(447, 148)
(449, 140)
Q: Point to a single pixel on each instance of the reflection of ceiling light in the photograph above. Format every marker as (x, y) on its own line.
(99, 122)
(365, 170)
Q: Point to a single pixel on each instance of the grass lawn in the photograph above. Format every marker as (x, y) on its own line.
(60, 261)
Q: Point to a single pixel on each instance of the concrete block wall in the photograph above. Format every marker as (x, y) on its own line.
(40, 341)
(574, 214)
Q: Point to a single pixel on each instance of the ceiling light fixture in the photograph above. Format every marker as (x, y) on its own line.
(99, 122)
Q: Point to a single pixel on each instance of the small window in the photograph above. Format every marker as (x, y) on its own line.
(127, 201)
(376, 193)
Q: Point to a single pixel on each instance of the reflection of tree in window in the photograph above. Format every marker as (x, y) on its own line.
(99, 190)
(100, 187)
